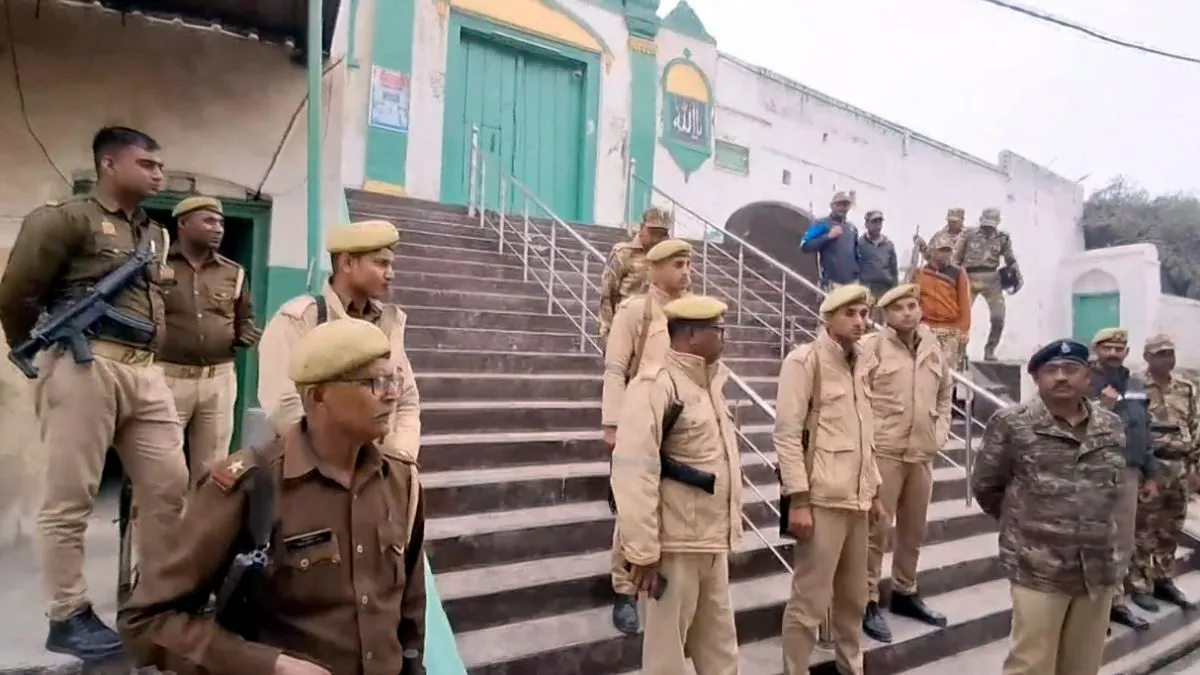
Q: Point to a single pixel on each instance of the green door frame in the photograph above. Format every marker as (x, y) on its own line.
(455, 140)
(259, 215)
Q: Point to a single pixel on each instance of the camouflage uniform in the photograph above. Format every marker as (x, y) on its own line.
(625, 272)
(952, 232)
(980, 251)
(1173, 435)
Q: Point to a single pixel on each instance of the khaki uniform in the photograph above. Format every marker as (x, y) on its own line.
(687, 532)
(910, 402)
(1054, 490)
(277, 394)
(980, 251)
(118, 400)
(209, 314)
(838, 477)
(624, 276)
(619, 368)
(338, 594)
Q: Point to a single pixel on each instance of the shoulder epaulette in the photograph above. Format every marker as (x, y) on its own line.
(227, 261)
(229, 473)
(651, 371)
(296, 307)
(630, 300)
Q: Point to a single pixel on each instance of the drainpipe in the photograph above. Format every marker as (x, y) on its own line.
(313, 54)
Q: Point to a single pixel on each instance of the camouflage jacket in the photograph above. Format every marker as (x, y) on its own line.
(1054, 493)
(624, 276)
(982, 250)
(1173, 421)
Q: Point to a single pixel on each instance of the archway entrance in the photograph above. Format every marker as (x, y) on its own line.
(776, 229)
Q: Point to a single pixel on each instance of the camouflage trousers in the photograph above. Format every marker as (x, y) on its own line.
(987, 284)
(950, 340)
(1158, 527)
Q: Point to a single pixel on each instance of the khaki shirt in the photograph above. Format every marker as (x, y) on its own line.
(64, 247)
(910, 394)
(619, 355)
(335, 592)
(624, 276)
(209, 312)
(658, 516)
(277, 393)
(838, 469)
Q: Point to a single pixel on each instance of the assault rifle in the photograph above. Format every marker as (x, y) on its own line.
(82, 318)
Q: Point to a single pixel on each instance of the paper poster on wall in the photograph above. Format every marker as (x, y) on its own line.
(389, 99)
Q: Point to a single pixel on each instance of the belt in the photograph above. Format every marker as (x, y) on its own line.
(130, 356)
(182, 372)
(982, 270)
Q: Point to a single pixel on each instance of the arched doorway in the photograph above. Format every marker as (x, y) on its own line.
(1095, 304)
(776, 228)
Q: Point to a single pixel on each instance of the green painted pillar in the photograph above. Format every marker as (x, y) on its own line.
(642, 20)
(391, 79)
(314, 52)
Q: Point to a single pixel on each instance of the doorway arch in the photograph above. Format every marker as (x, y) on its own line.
(776, 229)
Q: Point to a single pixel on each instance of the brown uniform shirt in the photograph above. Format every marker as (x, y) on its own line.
(208, 312)
(64, 247)
(336, 592)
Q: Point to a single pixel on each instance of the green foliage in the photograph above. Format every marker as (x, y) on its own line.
(1123, 213)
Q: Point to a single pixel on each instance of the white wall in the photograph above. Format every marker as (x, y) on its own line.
(1130, 270)
(1180, 318)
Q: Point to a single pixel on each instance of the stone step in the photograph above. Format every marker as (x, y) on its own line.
(451, 280)
(435, 386)
(533, 362)
(439, 337)
(499, 537)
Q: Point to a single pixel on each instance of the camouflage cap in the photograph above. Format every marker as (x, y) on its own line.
(1159, 343)
(942, 240)
(874, 215)
(956, 215)
(1114, 334)
(657, 218)
(841, 198)
(990, 217)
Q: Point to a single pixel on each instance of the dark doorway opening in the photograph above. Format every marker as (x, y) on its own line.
(237, 245)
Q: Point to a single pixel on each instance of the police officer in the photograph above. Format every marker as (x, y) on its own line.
(639, 335)
(209, 315)
(911, 387)
(1049, 470)
(361, 255)
(829, 479)
(980, 251)
(952, 232)
(119, 399)
(1160, 518)
(835, 241)
(625, 272)
(671, 532)
(347, 591)
(1115, 388)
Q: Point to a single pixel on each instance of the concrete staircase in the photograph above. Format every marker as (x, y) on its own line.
(515, 472)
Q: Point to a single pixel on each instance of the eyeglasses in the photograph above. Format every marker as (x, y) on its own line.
(379, 385)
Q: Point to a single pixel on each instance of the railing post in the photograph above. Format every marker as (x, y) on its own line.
(783, 344)
(583, 300)
(525, 249)
(474, 171)
(630, 204)
(825, 632)
(968, 452)
(553, 262)
(704, 261)
(740, 280)
(503, 210)
(482, 191)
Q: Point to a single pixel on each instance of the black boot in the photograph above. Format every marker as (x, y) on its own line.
(625, 614)
(874, 625)
(1167, 591)
(1145, 601)
(913, 607)
(83, 636)
(1120, 614)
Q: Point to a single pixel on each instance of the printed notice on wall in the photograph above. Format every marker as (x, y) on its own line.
(389, 99)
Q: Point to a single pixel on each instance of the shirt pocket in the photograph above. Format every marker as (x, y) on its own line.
(392, 544)
(310, 567)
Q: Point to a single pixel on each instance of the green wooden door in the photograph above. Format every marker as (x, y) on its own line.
(1092, 312)
(529, 110)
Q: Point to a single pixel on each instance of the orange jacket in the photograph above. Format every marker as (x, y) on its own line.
(945, 297)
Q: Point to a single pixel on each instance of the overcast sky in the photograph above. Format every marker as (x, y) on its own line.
(985, 79)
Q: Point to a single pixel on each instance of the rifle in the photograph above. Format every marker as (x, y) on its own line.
(81, 318)
(125, 532)
(234, 607)
(914, 260)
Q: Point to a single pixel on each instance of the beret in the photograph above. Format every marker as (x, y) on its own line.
(990, 217)
(955, 214)
(1159, 343)
(336, 348)
(843, 296)
(901, 291)
(190, 204)
(1059, 350)
(1111, 335)
(362, 237)
(695, 308)
(657, 218)
(671, 248)
(873, 215)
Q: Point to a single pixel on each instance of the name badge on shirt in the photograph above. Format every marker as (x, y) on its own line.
(300, 542)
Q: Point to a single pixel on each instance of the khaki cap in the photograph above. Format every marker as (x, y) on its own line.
(364, 236)
(695, 308)
(666, 250)
(191, 204)
(898, 293)
(844, 296)
(337, 348)
(1159, 343)
(1111, 335)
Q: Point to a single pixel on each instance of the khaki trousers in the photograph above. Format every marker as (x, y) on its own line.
(204, 398)
(831, 570)
(693, 619)
(905, 492)
(621, 582)
(1055, 634)
(1126, 517)
(118, 400)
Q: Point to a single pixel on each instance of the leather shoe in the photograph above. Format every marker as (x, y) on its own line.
(913, 607)
(1145, 601)
(1167, 591)
(874, 625)
(1124, 616)
(83, 636)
